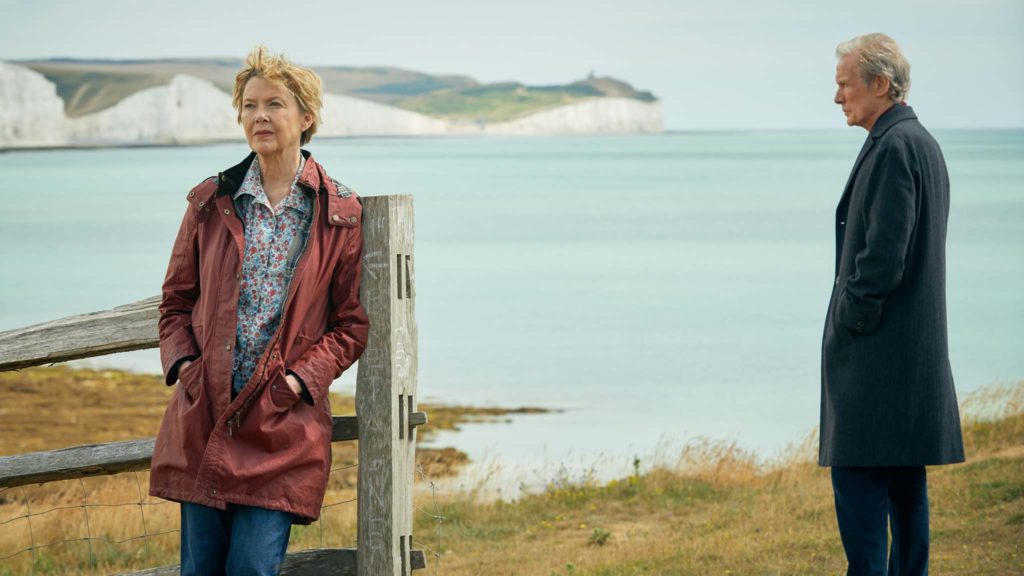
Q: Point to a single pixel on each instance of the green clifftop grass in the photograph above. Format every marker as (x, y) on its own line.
(507, 101)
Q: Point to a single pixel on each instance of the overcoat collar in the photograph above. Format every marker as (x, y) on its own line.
(895, 114)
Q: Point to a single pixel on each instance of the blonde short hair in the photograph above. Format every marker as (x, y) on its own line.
(880, 55)
(302, 82)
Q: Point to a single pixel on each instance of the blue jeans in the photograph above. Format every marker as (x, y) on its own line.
(870, 502)
(239, 541)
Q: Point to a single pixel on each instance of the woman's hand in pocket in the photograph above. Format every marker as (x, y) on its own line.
(181, 369)
(284, 395)
(293, 383)
(187, 380)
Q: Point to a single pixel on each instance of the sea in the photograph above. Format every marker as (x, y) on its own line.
(652, 291)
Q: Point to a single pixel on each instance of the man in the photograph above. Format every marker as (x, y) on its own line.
(888, 406)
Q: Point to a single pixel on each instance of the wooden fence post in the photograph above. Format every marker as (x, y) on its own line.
(386, 389)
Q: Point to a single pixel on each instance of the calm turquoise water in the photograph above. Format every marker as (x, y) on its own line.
(654, 287)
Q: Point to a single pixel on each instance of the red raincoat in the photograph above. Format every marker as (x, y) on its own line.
(267, 447)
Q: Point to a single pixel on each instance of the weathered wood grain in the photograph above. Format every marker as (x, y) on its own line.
(75, 462)
(417, 419)
(129, 327)
(109, 458)
(345, 428)
(386, 389)
(320, 562)
(324, 562)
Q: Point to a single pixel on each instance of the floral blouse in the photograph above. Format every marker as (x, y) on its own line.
(274, 240)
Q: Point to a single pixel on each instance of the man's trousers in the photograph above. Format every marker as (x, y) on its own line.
(872, 500)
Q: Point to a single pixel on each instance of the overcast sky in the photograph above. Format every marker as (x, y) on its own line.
(729, 64)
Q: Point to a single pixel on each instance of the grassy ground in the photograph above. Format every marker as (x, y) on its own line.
(716, 510)
(49, 408)
(721, 511)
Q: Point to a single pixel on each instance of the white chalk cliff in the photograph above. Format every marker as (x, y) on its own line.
(31, 113)
(348, 116)
(186, 110)
(593, 116)
(190, 109)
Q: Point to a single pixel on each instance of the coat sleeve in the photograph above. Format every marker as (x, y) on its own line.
(348, 326)
(180, 292)
(889, 214)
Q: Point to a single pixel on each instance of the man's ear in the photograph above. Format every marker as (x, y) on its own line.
(880, 86)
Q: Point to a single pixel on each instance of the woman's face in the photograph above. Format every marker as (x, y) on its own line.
(272, 118)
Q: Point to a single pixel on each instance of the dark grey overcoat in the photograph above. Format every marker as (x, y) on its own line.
(887, 396)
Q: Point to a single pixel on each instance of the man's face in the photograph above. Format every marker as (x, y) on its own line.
(862, 102)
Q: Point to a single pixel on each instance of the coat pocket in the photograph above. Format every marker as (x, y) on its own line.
(282, 397)
(190, 378)
(275, 422)
(842, 336)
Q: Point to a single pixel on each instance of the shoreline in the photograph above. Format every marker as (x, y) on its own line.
(115, 145)
(75, 400)
(240, 140)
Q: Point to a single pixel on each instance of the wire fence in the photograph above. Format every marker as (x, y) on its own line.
(158, 525)
(151, 527)
(435, 552)
(36, 541)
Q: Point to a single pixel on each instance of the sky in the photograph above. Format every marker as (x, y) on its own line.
(714, 65)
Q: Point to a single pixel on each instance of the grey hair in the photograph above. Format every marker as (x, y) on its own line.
(880, 55)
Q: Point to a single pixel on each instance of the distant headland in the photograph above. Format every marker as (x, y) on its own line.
(69, 102)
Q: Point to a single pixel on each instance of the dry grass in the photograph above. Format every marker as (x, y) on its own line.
(48, 408)
(714, 510)
(119, 513)
(720, 510)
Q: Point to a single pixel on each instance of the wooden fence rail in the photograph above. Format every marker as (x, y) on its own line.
(321, 562)
(123, 329)
(385, 423)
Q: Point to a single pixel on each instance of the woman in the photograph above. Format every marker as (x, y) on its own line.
(260, 313)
